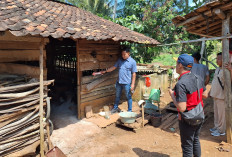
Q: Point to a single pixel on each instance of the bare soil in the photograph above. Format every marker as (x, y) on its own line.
(86, 139)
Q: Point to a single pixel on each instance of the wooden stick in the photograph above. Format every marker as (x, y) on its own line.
(11, 115)
(142, 115)
(18, 95)
(20, 137)
(41, 98)
(17, 108)
(30, 128)
(7, 130)
(23, 86)
(28, 98)
(49, 140)
(220, 14)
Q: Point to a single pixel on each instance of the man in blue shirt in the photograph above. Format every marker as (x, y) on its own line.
(200, 69)
(126, 78)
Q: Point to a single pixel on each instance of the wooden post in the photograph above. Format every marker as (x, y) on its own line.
(202, 49)
(41, 95)
(142, 114)
(79, 74)
(227, 79)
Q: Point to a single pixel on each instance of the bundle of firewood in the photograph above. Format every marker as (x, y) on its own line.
(19, 114)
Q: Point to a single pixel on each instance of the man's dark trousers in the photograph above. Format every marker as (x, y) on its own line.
(190, 142)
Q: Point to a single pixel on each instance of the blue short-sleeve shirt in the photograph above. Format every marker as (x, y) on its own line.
(126, 68)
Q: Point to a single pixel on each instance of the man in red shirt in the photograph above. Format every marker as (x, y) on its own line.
(185, 97)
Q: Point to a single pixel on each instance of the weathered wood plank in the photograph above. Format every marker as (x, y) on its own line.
(10, 37)
(19, 55)
(97, 92)
(111, 86)
(89, 79)
(100, 58)
(99, 80)
(105, 83)
(96, 103)
(104, 65)
(101, 51)
(97, 96)
(21, 69)
(89, 66)
(18, 45)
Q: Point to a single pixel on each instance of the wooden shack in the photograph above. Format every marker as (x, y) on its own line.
(75, 43)
(213, 20)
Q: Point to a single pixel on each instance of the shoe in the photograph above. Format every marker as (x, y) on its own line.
(213, 129)
(217, 133)
(114, 110)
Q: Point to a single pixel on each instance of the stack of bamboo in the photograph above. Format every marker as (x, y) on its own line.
(19, 115)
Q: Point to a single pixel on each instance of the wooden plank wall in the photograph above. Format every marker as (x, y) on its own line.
(18, 49)
(97, 55)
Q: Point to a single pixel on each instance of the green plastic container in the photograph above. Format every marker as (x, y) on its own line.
(155, 95)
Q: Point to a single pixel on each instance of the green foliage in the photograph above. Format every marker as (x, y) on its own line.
(101, 7)
(166, 59)
(152, 18)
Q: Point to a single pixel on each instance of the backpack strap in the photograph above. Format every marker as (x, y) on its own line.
(220, 81)
(198, 86)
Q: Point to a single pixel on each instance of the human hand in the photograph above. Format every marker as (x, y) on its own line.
(228, 66)
(98, 73)
(103, 72)
(132, 87)
(171, 92)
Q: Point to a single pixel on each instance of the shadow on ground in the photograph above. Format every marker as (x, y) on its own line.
(144, 153)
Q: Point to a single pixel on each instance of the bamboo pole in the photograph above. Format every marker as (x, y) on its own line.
(227, 78)
(198, 40)
(41, 99)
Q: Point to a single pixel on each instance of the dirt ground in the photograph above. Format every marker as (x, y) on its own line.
(82, 138)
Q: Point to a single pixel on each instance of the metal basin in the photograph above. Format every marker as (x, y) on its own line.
(127, 117)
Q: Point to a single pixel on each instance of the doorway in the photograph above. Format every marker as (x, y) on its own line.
(61, 64)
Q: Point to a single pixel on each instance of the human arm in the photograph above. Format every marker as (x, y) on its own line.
(133, 81)
(207, 79)
(205, 94)
(180, 105)
(109, 70)
(207, 76)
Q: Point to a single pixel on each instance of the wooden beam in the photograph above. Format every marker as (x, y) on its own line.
(41, 95)
(19, 55)
(220, 14)
(21, 69)
(205, 13)
(79, 76)
(216, 32)
(203, 35)
(8, 36)
(227, 77)
(216, 27)
(19, 45)
(210, 25)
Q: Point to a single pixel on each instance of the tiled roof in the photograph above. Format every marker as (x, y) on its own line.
(48, 18)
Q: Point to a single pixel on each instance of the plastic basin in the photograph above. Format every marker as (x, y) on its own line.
(127, 117)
